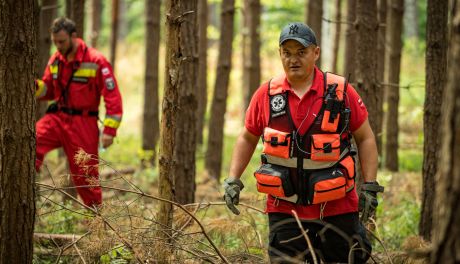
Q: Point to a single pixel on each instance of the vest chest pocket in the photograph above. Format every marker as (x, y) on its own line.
(325, 147)
(276, 143)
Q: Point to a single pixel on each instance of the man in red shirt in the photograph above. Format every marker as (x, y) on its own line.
(75, 79)
(306, 119)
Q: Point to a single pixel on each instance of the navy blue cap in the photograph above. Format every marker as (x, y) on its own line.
(300, 32)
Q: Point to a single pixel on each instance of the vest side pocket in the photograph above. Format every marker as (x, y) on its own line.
(274, 180)
(326, 185)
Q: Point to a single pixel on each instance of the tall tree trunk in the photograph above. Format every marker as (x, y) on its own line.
(435, 64)
(394, 64)
(366, 58)
(150, 124)
(123, 26)
(178, 112)
(338, 29)
(114, 32)
(78, 16)
(185, 148)
(349, 64)
(219, 101)
(315, 19)
(47, 14)
(411, 19)
(96, 9)
(382, 18)
(202, 80)
(68, 8)
(446, 230)
(18, 27)
(252, 64)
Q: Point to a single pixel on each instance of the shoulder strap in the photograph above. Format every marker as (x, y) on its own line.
(341, 82)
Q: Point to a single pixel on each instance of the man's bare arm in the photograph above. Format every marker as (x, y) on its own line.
(242, 153)
(367, 149)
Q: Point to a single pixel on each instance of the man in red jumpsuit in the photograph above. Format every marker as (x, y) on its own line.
(75, 79)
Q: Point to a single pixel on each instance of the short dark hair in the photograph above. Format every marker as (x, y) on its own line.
(63, 23)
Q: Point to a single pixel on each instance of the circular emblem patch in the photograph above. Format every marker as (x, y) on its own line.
(278, 103)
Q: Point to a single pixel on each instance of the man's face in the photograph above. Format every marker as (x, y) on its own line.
(298, 61)
(63, 42)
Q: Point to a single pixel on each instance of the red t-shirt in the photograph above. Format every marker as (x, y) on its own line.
(257, 116)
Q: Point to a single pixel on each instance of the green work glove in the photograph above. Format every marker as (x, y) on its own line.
(368, 199)
(232, 187)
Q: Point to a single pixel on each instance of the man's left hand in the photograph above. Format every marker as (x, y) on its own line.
(368, 200)
(106, 140)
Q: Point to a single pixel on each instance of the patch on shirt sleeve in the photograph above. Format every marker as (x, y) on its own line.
(109, 83)
(105, 71)
(361, 103)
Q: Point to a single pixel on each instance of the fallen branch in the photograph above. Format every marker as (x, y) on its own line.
(60, 239)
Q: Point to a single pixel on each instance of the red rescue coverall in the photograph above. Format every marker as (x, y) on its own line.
(73, 125)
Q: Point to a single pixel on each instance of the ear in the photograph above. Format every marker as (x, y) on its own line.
(317, 52)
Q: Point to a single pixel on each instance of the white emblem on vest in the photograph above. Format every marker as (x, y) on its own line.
(278, 103)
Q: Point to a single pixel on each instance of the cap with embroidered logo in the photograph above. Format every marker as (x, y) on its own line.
(300, 32)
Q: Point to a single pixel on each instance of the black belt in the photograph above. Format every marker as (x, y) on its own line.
(71, 111)
(54, 108)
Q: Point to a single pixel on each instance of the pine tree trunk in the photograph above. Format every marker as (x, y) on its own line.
(47, 14)
(185, 147)
(338, 29)
(314, 20)
(95, 21)
(411, 19)
(202, 80)
(446, 230)
(381, 48)
(114, 32)
(78, 16)
(394, 64)
(252, 63)
(366, 59)
(177, 153)
(350, 41)
(435, 63)
(18, 27)
(219, 101)
(150, 125)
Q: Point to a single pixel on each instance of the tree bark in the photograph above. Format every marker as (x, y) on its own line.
(252, 63)
(338, 29)
(366, 59)
(95, 21)
(114, 32)
(47, 14)
(202, 80)
(446, 231)
(78, 16)
(350, 41)
(394, 31)
(178, 115)
(150, 125)
(435, 65)
(219, 101)
(315, 19)
(381, 62)
(18, 28)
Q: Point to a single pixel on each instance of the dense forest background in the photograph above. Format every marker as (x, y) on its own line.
(128, 227)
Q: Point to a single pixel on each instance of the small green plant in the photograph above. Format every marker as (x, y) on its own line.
(118, 255)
